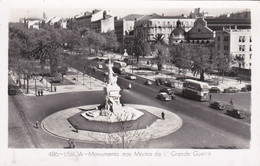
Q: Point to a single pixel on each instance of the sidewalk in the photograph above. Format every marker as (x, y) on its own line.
(88, 84)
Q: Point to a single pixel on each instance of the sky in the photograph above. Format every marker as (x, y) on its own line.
(67, 9)
(17, 13)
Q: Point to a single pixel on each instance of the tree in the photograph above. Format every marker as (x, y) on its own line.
(181, 56)
(63, 70)
(111, 42)
(93, 40)
(136, 45)
(201, 60)
(159, 45)
(46, 45)
(162, 55)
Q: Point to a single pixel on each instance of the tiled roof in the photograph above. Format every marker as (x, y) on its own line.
(132, 17)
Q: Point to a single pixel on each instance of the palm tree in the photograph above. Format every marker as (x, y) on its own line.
(201, 61)
(159, 39)
(136, 45)
(159, 45)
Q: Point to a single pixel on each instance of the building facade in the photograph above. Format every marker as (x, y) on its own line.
(101, 21)
(124, 30)
(236, 43)
(154, 24)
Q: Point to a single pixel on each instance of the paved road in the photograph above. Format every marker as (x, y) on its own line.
(202, 127)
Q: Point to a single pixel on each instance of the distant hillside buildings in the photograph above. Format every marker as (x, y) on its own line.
(229, 34)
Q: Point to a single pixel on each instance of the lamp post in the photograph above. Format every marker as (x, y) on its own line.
(35, 86)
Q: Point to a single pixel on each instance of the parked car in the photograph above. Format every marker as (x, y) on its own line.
(246, 88)
(130, 77)
(99, 66)
(159, 81)
(235, 113)
(169, 91)
(164, 96)
(231, 89)
(217, 105)
(214, 90)
(170, 84)
(11, 90)
(147, 82)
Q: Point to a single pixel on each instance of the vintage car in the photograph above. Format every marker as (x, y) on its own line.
(236, 113)
(130, 77)
(246, 88)
(11, 90)
(147, 82)
(170, 84)
(169, 91)
(214, 90)
(164, 96)
(231, 89)
(217, 105)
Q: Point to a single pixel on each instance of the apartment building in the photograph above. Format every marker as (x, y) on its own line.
(236, 43)
(151, 25)
(100, 21)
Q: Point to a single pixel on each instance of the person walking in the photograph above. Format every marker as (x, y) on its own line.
(36, 124)
(69, 142)
(41, 92)
(72, 143)
(55, 89)
(163, 115)
(129, 86)
(231, 102)
(76, 127)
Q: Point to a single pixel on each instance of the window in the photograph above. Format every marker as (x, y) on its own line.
(226, 47)
(242, 39)
(241, 47)
(199, 30)
(225, 38)
(218, 47)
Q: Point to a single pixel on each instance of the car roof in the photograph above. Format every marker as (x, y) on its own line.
(163, 93)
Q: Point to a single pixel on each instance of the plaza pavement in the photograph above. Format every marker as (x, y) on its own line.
(86, 84)
(58, 125)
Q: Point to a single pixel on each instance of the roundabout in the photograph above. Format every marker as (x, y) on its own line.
(58, 125)
(112, 122)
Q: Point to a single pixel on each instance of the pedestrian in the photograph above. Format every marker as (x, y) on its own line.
(163, 115)
(36, 124)
(69, 142)
(41, 92)
(76, 127)
(129, 86)
(55, 89)
(231, 102)
(240, 81)
(72, 143)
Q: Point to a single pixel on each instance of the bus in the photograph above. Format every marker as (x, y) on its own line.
(119, 67)
(196, 90)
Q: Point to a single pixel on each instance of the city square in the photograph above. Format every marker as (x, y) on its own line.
(98, 80)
